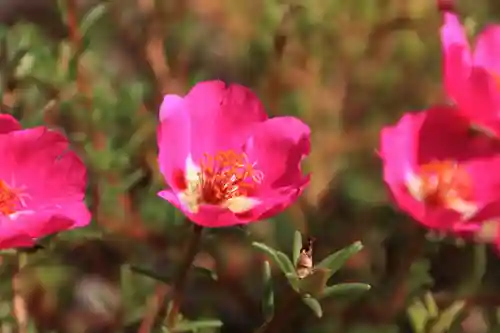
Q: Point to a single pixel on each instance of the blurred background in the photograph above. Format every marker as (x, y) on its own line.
(97, 70)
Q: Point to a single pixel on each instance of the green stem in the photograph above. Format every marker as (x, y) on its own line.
(20, 309)
(181, 280)
(283, 315)
(478, 269)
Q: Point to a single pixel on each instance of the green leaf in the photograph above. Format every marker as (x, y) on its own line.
(187, 326)
(285, 262)
(297, 246)
(152, 274)
(430, 304)
(342, 289)
(314, 283)
(294, 281)
(335, 261)
(278, 257)
(447, 317)
(92, 17)
(268, 299)
(314, 305)
(418, 316)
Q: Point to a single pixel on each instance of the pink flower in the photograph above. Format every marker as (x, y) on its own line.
(472, 78)
(225, 162)
(42, 184)
(439, 172)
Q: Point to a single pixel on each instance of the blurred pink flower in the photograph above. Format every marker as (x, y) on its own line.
(472, 78)
(225, 162)
(439, 172)
(42, 184)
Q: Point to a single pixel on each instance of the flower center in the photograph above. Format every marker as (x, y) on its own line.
(227, 175)
(444, 183)
(8, 199)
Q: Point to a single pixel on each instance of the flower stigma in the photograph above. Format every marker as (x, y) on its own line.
(444, 184)
(226, 179)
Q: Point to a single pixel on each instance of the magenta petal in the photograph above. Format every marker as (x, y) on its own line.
(222, 116)
(207, 216)
(272, 206)
(171, 197)
(437, 133)
(456, 57)
(398, 146)
(26, 226)
(9, 241)
(277, 147)
(8, 124)
(487, 50)
(39, 160)
(173, 138)
(453, 33)
(214, 217)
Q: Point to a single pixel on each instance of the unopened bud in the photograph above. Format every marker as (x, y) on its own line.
(446, 5)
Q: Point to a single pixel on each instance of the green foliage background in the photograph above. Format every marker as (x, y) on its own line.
(346, 67)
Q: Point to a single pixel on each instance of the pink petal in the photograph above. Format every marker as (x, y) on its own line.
(174, 139)
(51, 179)
(456, 57)
(38, 160)
(207, 216)
(221, 116)
(8, 124)
(277, 147)
(9, 241)
(211, 216)
(171, 197)
(398, 145)
(487, 50)
(436, 134)
(22, 229)
(272, 206)
(443, 134)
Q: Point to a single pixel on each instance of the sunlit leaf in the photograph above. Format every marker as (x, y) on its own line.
(430, 304)
(418, 316)
(335, 261)
(447, 317)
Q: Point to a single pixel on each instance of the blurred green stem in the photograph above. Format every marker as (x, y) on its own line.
(20, 310)
(283, 314)
(473, 280)
(181, 279)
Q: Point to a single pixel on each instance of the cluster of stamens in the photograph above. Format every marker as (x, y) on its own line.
(226, 175)
(443, 183)
(8, 199)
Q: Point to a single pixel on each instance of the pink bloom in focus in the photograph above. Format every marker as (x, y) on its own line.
(439, 172)
(225, 161)
(472, 78)
(42, 184)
